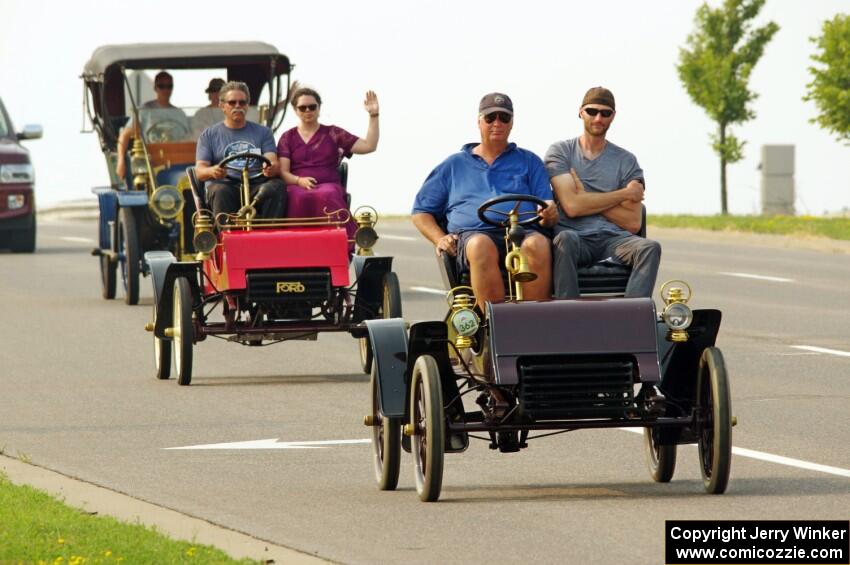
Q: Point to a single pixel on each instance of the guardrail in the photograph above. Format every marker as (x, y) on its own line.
(82, 209)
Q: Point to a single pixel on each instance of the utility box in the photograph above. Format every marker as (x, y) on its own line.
(777, 179)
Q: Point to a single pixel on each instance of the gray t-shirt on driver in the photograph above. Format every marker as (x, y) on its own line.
(612, 170)
(219, 141)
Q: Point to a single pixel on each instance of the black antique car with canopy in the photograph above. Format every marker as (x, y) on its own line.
(151, 207)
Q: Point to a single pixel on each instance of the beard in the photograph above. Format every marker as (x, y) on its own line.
(596, 130)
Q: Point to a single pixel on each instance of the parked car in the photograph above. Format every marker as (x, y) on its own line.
(17, 183)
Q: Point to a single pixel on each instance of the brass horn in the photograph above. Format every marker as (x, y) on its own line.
(517, 265)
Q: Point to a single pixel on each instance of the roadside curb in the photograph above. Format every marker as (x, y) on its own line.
(93, 498)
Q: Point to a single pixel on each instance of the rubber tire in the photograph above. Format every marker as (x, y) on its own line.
(128, 243)
(661, 459)
(428, 419)
(715, 440)
(386, 443)
(183, 331)
(161, 354)
(390, 308)
(108, 277)
(23, 240)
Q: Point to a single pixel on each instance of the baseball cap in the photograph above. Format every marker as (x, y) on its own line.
(495, 102)
(599, 95)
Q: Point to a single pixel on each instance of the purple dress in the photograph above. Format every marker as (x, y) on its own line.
(318, 158)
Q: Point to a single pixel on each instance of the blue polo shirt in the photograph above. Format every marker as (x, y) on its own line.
(459, 185)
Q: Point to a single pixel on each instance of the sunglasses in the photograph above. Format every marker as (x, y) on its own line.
(307, 107)
(593, 111)
(240, 102)
(165, 85)
(503, 117)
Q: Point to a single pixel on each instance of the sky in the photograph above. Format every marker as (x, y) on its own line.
(430, 62)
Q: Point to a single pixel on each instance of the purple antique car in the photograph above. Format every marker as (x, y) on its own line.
(530, 369)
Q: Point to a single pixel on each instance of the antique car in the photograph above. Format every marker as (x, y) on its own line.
(151, 207)
(521, 370)
(260, 281)
(17, 184)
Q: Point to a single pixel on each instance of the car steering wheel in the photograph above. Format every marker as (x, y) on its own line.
(249, 157)
(487, 206)
(165, 131)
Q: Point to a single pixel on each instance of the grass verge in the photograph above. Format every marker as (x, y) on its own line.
(805, 226)
(38, 529)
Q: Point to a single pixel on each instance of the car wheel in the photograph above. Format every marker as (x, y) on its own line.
(128, 246)
(714, 430)
(661, 459)
(108, 270)
(161, 353)
(23, 241)
(183, 331)
(386, 442)
(390, 308)
(428, 423)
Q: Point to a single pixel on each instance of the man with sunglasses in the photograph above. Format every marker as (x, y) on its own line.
(159, 121)
(237, 135)
(599, 187)
(446, 207)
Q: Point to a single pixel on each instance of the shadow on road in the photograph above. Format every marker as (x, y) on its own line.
(272, 380)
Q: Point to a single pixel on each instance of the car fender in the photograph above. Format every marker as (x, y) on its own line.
(369, 273)
(388, 339)
(158, 262)
(164, 310)
(129, 198)
(107, 203)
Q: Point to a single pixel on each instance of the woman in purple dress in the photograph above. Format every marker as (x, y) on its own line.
(311, 152)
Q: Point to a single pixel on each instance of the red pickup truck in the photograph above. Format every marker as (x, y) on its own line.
(17, 180)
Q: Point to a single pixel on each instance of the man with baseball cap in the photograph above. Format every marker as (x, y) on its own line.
(599, 187)
(446, 207)
(208, 115)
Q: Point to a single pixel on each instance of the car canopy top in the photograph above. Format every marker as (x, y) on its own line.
(252, 62)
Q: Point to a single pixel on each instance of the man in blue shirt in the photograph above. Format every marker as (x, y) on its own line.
(455, 189)
(237, 135)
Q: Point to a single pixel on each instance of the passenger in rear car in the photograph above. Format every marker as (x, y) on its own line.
(599, 187)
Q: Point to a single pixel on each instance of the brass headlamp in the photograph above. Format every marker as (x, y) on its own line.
(677, 314)
(463, 318)
(365, 237)
(139, 165)
(205, 239)
(166, 202)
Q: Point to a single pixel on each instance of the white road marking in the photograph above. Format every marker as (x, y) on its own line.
(814, 349)
(399, 237)
(72, 239)
(428, 290)
(273, 444)
(779, 459)
(759, 277)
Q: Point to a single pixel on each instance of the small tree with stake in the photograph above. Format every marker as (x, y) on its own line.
(715, 69)
(830, 86)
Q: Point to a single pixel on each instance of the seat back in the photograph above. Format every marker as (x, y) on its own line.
(342, 169)
(198, 190)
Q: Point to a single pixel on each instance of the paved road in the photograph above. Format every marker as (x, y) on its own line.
(79, 396)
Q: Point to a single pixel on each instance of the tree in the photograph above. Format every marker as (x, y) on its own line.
(715, 69)
(830, 86)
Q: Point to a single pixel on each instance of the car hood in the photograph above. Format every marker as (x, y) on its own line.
(12, 152)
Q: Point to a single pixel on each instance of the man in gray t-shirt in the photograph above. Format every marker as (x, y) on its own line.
(599, 187)
(233, 136)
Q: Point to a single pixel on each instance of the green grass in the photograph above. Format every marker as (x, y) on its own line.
(37, 529)
(806, 226)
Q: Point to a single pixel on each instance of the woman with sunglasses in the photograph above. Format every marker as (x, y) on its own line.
(311, 152)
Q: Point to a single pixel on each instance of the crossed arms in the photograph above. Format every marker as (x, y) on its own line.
(621, 207)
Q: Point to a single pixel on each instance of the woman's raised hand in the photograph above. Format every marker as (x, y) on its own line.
(371, 103)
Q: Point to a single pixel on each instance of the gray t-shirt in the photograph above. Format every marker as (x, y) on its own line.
(219, 141)
(611, 170)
